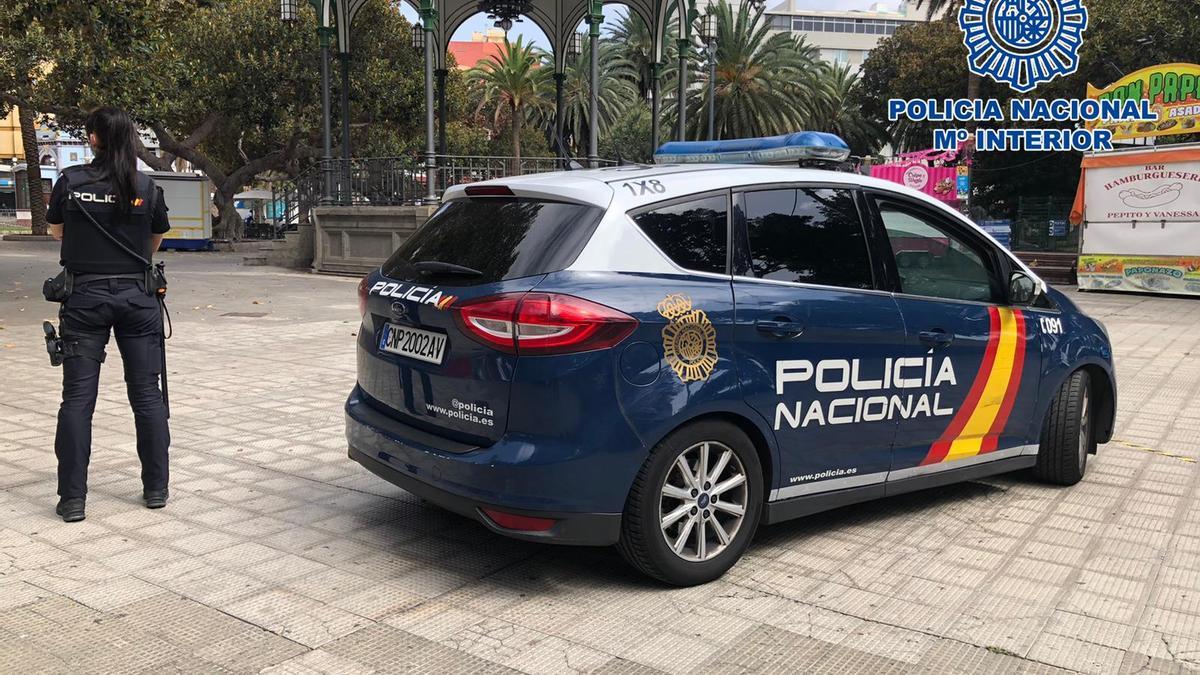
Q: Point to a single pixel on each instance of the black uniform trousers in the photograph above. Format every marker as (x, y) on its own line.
(93, 310)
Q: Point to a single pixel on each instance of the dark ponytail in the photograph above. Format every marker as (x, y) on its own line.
(116, 152)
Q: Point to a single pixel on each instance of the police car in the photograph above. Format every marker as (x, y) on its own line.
(664, 358)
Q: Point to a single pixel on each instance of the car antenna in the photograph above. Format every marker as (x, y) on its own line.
(571, 164)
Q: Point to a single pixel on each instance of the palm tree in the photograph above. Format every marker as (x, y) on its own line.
(765, 81)
(512, 81)
(618, 88)
(634, 41)
(838, 111)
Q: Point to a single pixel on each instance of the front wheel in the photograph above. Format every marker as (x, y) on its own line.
(694, 505)
(1067, 434)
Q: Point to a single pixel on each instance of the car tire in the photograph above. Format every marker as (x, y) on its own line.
(1068, 436)
(717, 535)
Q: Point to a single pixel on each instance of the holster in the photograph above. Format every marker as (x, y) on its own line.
(58, 288)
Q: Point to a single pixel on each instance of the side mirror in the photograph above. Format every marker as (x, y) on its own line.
(1021, 289)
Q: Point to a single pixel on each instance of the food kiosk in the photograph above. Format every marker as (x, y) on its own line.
(1140, 213)
(188, 198)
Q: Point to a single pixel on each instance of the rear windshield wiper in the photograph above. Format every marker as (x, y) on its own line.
(439, 267)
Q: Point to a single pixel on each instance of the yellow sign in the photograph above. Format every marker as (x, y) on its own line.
(1173, 90)
(689, 340)
(1141, 273)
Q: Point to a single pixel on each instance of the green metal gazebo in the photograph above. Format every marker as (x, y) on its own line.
(558, 19)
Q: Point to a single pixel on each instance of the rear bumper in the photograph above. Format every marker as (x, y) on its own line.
(577, 529)
(447, 479)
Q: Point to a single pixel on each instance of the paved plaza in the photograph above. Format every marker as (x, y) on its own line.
(278, 554)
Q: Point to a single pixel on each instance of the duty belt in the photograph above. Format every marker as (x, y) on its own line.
(80, 279)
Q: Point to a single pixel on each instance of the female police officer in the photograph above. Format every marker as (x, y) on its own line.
(109, 292)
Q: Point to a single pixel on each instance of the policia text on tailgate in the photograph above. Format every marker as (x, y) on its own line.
(568, 361)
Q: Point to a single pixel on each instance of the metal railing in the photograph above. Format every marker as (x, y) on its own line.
(391, 181)
(1042, 225)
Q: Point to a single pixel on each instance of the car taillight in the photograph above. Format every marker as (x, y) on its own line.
(543, 323)
(489, 191)
(362, 297)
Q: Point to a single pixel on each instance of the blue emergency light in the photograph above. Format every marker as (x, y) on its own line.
(786, 149)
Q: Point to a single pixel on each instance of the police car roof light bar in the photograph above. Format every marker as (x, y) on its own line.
(780, 150)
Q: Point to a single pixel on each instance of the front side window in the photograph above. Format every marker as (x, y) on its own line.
(932, 261)
(693, 234)
(806, 235)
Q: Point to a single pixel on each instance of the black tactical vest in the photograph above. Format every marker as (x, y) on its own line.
(84, 250)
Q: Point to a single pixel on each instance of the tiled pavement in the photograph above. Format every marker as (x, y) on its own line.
(278, 553)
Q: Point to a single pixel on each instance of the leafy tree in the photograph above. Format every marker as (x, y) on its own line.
(628, 137)
(21, 73)
(464, 138)
(63, 57)
(103, 39)
(513, 83)
(765, 80)
(222, 83)
(925, 61)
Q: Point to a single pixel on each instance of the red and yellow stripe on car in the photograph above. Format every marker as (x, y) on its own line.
(976, 427)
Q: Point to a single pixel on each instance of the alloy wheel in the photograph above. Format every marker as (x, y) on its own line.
(702, 501)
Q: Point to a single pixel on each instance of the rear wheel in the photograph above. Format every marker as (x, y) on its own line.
(694, 505)
(1067, 434)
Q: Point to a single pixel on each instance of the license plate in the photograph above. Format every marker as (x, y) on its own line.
(415, 343)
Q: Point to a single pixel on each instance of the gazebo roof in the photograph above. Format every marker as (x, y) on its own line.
(558, 19)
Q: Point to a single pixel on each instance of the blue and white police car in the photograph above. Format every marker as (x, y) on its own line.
(663, 358)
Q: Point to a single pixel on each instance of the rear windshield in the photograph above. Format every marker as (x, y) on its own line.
(500, 238)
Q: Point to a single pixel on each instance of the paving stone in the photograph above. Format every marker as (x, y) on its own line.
(277, 552)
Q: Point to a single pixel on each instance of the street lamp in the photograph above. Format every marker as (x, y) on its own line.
(595, 18)
(418, 38)
(708, 33)
(288, 12)
(572, 50)
(575, 46)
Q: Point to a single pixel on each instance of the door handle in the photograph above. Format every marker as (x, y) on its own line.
(782, 328)
(936, 337)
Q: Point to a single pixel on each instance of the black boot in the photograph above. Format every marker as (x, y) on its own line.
(71, 509)
(156, 499)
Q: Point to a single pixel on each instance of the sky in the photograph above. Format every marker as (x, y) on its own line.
(530, 32)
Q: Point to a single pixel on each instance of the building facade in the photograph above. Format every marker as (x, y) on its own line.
(10, 137)
(481, 47)
(843, 37)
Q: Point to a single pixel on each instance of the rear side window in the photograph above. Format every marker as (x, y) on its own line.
(806, 235)
(693, 234)
(484, 240)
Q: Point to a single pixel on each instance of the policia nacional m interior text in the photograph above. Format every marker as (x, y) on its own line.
(110, 218)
